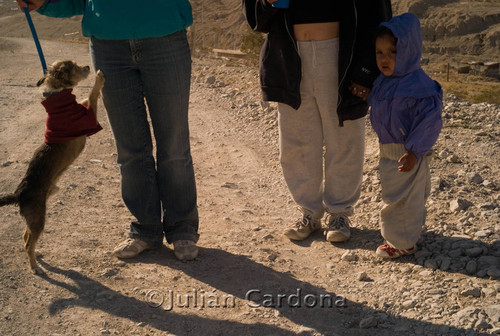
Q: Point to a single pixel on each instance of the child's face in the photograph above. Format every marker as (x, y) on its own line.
(385, 51)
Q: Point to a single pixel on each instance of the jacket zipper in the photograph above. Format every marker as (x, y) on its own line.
(290, 34)
(291, 38)
(341, 120)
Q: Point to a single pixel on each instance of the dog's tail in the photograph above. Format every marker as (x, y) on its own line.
(9, 199)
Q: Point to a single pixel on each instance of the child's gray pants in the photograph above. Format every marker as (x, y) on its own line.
(405, 194)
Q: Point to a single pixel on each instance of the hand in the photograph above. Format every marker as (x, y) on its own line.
(359, 90)
(31, 4)
(409, 160)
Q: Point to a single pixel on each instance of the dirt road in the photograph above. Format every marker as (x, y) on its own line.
(248, 279)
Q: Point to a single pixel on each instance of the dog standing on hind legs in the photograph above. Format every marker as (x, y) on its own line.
(68, 125)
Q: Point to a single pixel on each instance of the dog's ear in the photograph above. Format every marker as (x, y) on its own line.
(41, 81)
(63, 73)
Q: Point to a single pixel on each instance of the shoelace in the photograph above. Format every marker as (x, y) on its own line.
(301, 223)
(337, 223)
(391, 251)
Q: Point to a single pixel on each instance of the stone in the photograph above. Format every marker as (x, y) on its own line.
(464, 244)
(368, 322)
(471, 267)
(459, 204)
(436, 291)
(474, 292)
(210, 80)
(493, 273)
(466, 313)
(482, 324)
(444, 154)
(430, 263)
(453, 158)
(488, 292)
(272, 256)
(425, 273)
(220, 84)
(474, 178)
(474, 252)
(488, 206)
(409, 304)
(349, 256)
(482, 233)
(486, 261)
(488, 184)
(455, 253)
(445, 264)
(493, 313)
(362, 276)
(423, 253)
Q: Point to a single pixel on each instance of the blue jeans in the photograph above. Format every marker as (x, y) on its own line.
(151, 75)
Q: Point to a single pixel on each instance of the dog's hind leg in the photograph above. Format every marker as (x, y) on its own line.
(30, 240)
(52, 190)
(35, 220)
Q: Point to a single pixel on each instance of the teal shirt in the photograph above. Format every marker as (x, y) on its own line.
(124, 19)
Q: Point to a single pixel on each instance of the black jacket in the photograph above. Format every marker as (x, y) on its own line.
(280, 67)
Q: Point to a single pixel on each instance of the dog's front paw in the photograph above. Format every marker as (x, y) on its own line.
(99, 78)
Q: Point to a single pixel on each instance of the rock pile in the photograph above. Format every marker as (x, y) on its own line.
(453, 277)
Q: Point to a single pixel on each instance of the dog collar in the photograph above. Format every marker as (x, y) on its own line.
(50, 94)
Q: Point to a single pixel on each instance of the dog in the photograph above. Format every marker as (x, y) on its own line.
(68, 125)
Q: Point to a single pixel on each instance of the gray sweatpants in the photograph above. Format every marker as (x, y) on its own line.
(321, 180)
(405, 194)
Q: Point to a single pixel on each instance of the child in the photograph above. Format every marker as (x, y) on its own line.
(406, 115)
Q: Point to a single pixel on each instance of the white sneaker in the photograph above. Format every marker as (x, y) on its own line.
(131, 248)
(387, 251)
(303, 228)
(338, 229)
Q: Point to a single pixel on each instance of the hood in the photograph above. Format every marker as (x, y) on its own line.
(406, 28)
(408, 79)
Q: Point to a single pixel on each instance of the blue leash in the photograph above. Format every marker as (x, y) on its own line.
(35, 37)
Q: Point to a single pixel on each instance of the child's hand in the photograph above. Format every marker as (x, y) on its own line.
(409, 160)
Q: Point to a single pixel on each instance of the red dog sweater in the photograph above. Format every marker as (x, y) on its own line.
(67, 119)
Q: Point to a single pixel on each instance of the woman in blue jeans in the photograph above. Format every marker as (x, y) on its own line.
(144, 55)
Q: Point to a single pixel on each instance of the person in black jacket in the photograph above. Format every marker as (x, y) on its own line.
(318, 63)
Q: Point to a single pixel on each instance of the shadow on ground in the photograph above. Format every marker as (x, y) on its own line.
(223, 271)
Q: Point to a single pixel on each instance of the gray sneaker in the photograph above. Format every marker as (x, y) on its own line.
(185, 250)
(131, 248)
(303, 228)
(337, 229)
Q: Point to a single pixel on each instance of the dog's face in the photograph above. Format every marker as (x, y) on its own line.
(63, 75)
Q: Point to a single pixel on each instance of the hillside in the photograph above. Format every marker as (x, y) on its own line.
(466, 30)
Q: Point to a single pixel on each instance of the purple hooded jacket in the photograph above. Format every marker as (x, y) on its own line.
(406, 106)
